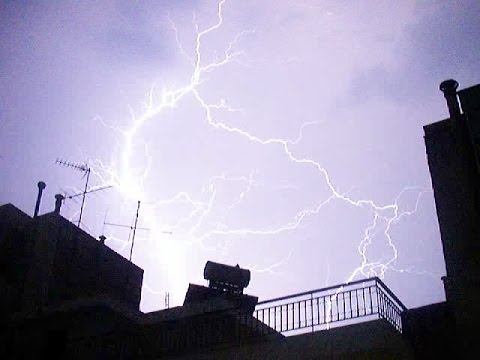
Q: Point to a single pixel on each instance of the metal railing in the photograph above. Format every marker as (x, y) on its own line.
(310, 311)
(333, 306)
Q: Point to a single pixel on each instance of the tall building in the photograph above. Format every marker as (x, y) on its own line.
(453, 150)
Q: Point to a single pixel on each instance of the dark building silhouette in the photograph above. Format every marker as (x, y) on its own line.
(48, 261)
(453, 150)
(66, 295)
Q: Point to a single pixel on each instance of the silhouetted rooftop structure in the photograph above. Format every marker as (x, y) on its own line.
(52, 261)
(70, 296)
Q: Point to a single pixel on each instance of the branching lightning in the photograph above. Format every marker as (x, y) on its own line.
(129, 181)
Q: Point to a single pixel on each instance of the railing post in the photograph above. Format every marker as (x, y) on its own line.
(370, 298)
(292, 317)
(311, 308)
(286, 314)
(305, 312)
(377, 289)
(275, 317)
(330, 309)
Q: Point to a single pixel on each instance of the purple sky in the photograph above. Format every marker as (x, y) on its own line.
(300, 148)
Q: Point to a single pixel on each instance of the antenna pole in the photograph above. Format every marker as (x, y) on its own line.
(83, 197)
(134, 229)
(167, 300)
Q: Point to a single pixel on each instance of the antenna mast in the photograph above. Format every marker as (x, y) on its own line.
(167, 300)
(134, 230)
(83, 197)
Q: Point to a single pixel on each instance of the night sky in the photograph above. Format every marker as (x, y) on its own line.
(285, 136)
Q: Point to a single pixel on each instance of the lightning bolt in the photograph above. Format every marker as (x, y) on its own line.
(193, 227)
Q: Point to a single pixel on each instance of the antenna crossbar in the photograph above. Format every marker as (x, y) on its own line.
(126, 226)
(133, 228)
(90, 191)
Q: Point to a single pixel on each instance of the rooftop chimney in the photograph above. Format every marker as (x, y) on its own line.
(449, 89)
(41, 185)
(102, 239)
(58, 202)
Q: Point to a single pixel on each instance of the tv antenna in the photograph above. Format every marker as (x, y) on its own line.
(86, 171)
(133, 228)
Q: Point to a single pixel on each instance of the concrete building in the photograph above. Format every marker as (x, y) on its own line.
(66, 295)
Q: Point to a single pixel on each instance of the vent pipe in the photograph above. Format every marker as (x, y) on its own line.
(58, 203)
(449, 89)
(41, 185)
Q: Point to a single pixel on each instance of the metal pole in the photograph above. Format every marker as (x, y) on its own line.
(134, 229)
(83, 197)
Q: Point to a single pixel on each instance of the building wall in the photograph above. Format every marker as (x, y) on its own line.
(430, 330)
(470, 100)
(83, 267)
(48, 260)
(16, 250)
(455, 185)
(452, 150)
(371, 340)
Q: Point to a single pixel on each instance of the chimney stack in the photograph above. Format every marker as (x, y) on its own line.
(41, 185)
(102, 239)
(449, 89)
(58, 202)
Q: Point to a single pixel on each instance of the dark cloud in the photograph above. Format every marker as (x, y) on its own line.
(442, 41)
(446, 38)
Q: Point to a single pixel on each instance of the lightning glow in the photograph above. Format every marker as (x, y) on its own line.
(193, 228)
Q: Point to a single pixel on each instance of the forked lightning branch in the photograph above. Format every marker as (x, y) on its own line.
(125, 176)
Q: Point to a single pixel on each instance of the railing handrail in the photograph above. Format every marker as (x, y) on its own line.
(356, 282)
(390, 292)
(372, 298)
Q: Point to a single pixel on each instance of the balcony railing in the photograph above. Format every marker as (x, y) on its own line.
(309, 311)
(333, 306)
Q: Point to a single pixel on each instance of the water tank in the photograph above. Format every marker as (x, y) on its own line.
(226, 277)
